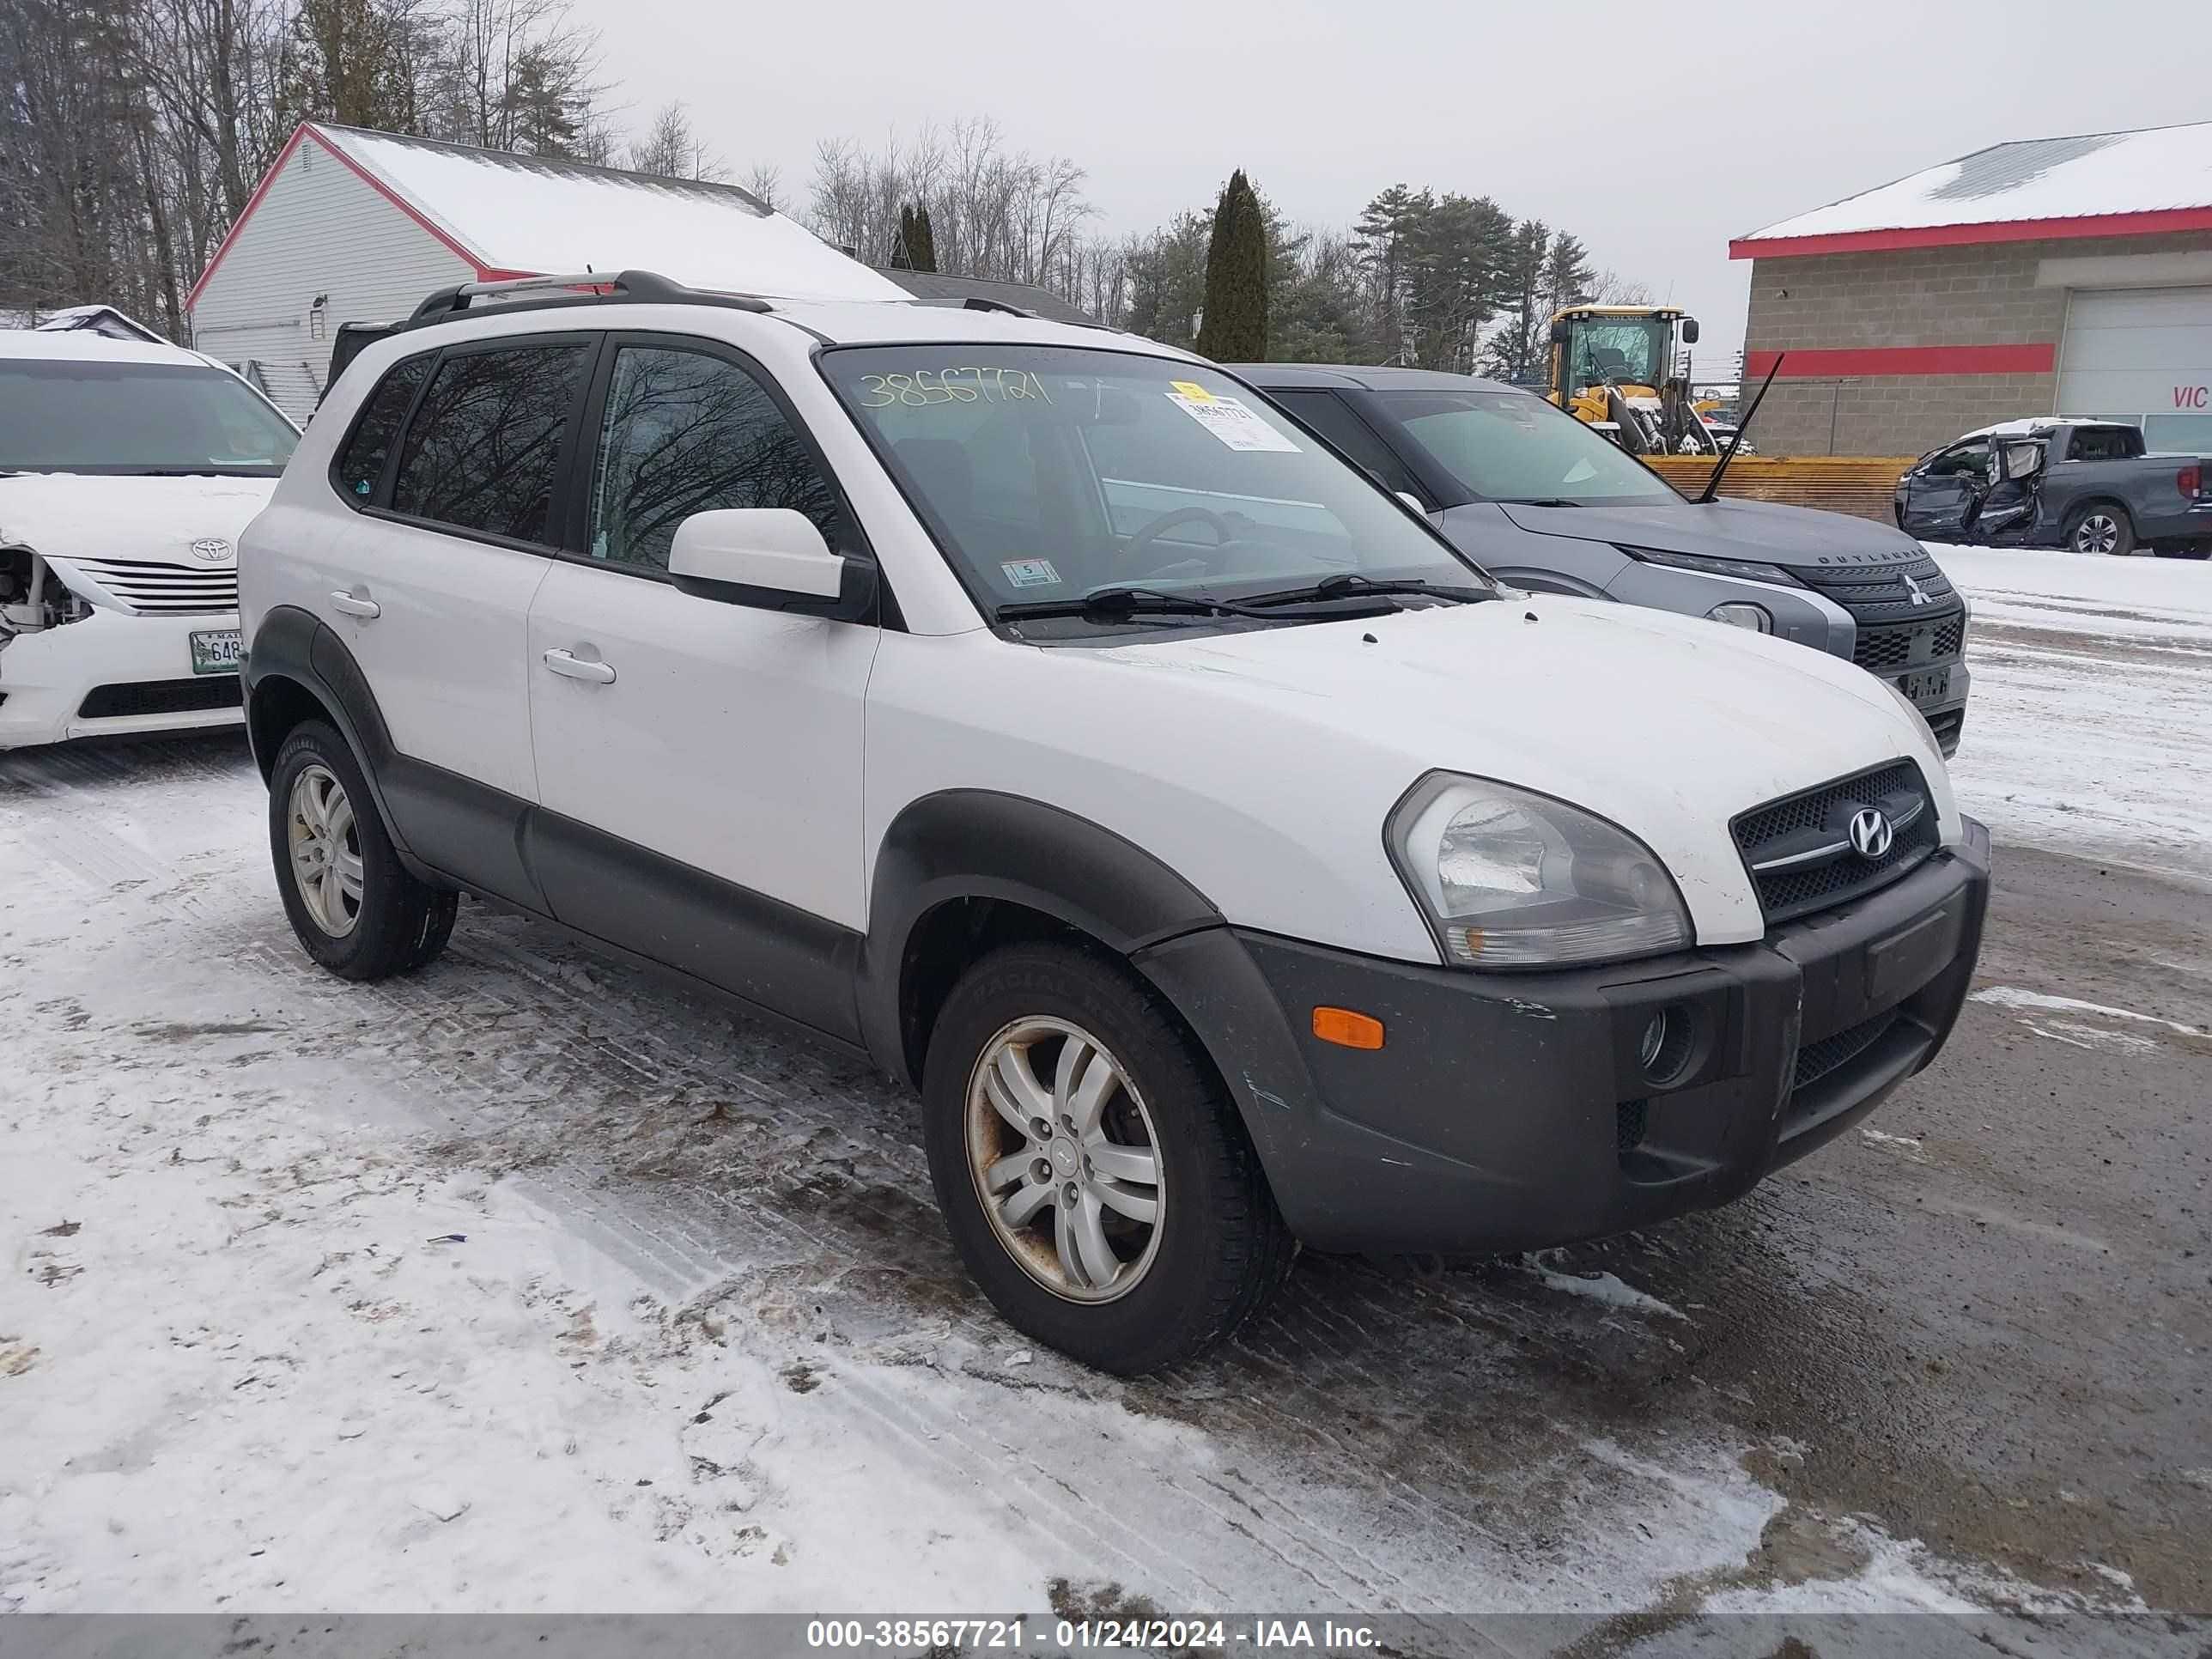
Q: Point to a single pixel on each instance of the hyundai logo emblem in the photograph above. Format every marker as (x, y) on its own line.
(211, 550)
(1870, 833)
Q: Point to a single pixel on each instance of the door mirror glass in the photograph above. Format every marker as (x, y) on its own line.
(758, 553)
(1689, 330)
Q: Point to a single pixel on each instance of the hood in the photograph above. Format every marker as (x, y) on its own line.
(72, 515)
(1668, 725)
(1795, 537)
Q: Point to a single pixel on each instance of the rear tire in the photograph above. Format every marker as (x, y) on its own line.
(1167, 1141)
(351, 903)
(2102, 528)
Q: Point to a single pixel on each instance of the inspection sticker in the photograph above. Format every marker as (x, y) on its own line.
(1233, 421)
(1030, 573)
(1193, 390)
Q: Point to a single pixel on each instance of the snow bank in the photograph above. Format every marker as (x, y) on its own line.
(2089, 729)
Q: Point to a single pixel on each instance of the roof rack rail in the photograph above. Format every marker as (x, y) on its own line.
(646, 287)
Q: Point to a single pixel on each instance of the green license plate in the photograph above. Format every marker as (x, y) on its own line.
(215, 651)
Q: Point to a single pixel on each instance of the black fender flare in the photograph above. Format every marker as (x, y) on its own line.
(982, 844)
(296, 647)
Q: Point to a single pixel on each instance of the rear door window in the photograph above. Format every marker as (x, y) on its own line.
(481, 453)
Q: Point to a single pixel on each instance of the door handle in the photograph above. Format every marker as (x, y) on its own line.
(356, 604)
(571, 666)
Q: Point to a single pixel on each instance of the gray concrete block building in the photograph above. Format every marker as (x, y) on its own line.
(2049, 275)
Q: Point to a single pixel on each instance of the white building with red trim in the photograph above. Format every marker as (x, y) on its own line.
(353, 226)
(2050, 275)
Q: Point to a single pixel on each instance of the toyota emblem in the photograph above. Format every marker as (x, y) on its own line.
(1870, 833)
(211, 550)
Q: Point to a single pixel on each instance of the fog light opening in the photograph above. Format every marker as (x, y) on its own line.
(1663, 1050)
(1738, 614)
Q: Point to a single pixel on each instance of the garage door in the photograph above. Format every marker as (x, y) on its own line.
(2141, 354)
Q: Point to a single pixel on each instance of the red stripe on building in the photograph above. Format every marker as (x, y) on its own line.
(2149, 223)
(1904, 360)
(484, 273)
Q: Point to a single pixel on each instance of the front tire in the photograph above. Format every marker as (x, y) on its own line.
(351, 903)
(1090, 1166)
(2100, 528)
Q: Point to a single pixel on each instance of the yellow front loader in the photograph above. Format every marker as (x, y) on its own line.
(1613, 367)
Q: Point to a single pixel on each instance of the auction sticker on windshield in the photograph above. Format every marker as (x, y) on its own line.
(1232, 421)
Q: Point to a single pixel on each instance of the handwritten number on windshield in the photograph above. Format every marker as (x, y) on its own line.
(965, 384)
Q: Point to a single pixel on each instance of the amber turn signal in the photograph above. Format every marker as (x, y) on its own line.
(1346, 1029)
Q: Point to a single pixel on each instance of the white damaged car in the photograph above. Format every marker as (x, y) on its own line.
(127, 472)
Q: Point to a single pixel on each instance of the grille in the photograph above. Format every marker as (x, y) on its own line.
(1816, 1059)
(1804, 841)
(1910, 645)
(165, 590)
(1946, 727)
(1886, 594)
(108, 703)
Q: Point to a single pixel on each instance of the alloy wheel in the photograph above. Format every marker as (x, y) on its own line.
(2098, 533)
(1065, 1159)
(325, 842)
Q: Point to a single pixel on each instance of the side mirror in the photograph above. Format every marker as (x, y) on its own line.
(1689, 330)
(1560, 334)
(772, 558)
(1411, 500)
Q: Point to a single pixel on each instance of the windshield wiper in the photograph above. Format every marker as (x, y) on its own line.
(1349, 585)
(1537, 500)
(1120, 603)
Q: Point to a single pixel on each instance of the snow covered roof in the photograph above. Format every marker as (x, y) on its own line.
(516, 216)
(2102, 183)
(99, 319)
(86, 345)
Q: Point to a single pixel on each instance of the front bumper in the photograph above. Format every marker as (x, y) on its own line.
(49, 680)
(1511, 1112)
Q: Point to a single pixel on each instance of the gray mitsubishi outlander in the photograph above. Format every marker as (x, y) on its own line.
(1542, 501)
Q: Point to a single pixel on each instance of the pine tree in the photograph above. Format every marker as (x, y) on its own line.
(902, 249)
(921, 245)
(1234, 328)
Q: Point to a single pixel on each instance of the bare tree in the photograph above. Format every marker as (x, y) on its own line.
(992, 212)
(765, 181)
(671, 148)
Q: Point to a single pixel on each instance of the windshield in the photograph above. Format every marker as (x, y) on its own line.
(1513, 447)
(62, 416)
(1049, 472)
(1628, 351)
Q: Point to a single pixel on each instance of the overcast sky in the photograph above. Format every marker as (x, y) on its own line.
(1653, 133)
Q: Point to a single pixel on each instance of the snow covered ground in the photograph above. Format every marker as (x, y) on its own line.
(2090, 730)
(530, 1284)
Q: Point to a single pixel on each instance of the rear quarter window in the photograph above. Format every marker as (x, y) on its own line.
(360, 465)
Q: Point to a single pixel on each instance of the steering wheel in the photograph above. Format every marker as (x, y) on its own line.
(1147, 534)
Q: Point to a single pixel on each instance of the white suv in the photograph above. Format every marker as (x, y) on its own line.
(127, 471)
(1036, 710)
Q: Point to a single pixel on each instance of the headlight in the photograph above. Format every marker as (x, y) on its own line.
(1511, 880)
(1738, 615)
(1743, 570)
